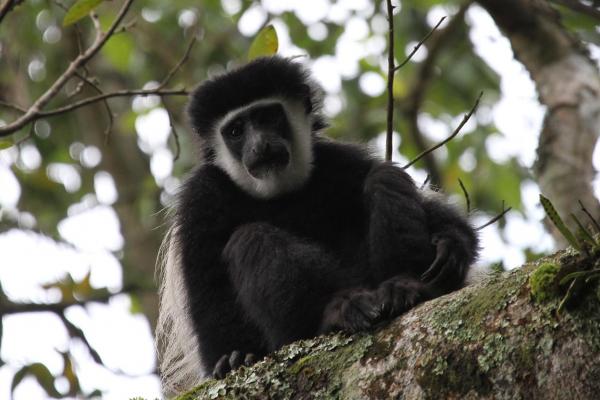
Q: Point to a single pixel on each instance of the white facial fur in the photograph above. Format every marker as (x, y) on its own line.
(293, 176)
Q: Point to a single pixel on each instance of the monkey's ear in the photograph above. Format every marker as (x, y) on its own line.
(306, 98)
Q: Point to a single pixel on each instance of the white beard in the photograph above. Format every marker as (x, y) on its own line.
(278, 182)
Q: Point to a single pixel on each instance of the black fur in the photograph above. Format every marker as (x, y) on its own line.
(263, 78)
(344, 251)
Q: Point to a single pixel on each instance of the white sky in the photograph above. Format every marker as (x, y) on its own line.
(123, 340)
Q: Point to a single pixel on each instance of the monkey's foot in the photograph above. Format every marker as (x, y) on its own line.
(229, 362)
(352, 311)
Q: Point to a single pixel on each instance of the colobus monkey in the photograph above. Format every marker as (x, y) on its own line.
(282, 234)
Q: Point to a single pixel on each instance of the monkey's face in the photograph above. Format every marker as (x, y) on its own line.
(260, 138)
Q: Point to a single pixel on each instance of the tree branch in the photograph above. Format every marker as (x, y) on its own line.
(449, 138)
(33, 111)
(496, 218)
(390, 83)
(418, 46)
(7, 7)
(119, 93)
(413, 102)
(579, 8)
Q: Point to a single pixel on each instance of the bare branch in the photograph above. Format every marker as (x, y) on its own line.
(411, 105)
(496, 218)
(13, 106)
(418, 46)
(175, 134)
(177, 66)
(75, 331)
(579, 7)
(464, 189)
(106, 105)
(425, 182)
(119, 93)
(390, 83)
(589, 215)
(7, 7)
(33, 112)
(449, 138)
(8, 307)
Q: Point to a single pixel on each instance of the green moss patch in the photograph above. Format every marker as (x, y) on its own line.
(543, 282)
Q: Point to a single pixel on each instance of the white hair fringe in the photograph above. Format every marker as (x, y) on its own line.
(180, 366)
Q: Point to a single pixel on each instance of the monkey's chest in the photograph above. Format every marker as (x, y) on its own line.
(334, 219)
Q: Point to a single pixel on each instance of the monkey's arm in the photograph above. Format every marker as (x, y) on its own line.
(206, 217)
(398, 235)
(282, 281)
(456, 246)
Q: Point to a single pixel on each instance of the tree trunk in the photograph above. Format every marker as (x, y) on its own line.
(491, 340)
(568, 83)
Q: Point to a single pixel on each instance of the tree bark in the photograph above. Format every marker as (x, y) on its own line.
(568, 83)
(491, 340)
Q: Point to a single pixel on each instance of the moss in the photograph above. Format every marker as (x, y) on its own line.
(453, 374)
(542, 282)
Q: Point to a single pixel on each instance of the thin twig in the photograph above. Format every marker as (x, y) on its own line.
(496, 218)
(425, 71)
(418, 46)
(579, 7)
(390, 83)
(449, 138)
(119, 93)
(425, 182)
(177, 66)
(592, 219)
(33, 112)
(75, 331)
(13, 106)
(111, 120)
(175, 134)
(464, 189)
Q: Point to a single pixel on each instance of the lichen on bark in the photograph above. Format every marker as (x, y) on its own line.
(489, 340)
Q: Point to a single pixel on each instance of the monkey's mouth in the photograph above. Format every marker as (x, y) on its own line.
(267, 164)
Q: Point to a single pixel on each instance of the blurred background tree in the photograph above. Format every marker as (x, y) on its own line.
(83, 192)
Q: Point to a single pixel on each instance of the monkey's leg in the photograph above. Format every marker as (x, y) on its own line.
(398, 235)
(282, 281)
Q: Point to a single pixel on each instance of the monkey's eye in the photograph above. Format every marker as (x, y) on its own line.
(235, 130)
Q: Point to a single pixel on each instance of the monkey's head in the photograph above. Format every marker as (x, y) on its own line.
(257, 124)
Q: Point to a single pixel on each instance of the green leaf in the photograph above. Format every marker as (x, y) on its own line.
(558, 222)
(5, 144)
(119, 51)
(264, 44)
(79, 10)
(584, 234)
(41, 374)
(571, 276)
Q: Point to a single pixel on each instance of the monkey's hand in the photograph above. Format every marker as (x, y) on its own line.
(449, 265)
(352, 310)
(229, 362)
(399, 294)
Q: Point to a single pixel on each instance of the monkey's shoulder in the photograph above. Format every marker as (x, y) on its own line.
(338, 161)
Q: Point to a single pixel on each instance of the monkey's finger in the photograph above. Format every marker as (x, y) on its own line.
(448, 272)
(249, 359)
(442, 254)
(235, 359)
(222, 367)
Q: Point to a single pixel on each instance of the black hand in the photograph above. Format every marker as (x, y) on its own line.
(230, 362)
(399, 294)
(352, 311)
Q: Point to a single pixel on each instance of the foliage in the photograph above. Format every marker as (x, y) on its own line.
(265, 43)
(39, 38)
